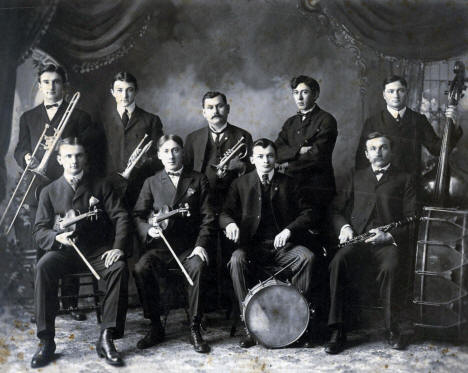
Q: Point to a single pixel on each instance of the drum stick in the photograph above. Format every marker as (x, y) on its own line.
(175, 256)
(95, 274)
(281, 270)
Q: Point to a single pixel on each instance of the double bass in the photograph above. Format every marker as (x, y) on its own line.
(448, 186)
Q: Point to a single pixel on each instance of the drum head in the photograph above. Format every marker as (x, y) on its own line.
(277, 315)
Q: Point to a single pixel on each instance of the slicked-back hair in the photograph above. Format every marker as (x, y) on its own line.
(51, 68)
(213, 94)
(164, 138)
(70, 141)
(394, 78)
(125, 76)
(375, 135)
(307, 80)
(265, 143)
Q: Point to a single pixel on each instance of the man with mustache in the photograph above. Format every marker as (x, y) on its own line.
(306, 142)
(408, 130)
(374, 196)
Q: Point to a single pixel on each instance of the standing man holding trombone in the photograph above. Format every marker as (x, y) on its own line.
(44, 119)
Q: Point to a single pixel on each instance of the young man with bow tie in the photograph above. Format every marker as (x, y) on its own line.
(306, 142)
(372, 197)
(265, 216)
(125, 126)
(190, 236)
(52, 80)
(408, 130)
(102, 241)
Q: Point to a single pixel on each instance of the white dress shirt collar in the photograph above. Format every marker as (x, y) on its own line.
(130, 109)
(68, 178)
(394, 113)
(384, 168)
(175, 179)
(270, 175)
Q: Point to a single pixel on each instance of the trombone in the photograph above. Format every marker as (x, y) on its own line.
(40, 170)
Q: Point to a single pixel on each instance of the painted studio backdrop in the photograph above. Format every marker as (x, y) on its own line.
(180, 49)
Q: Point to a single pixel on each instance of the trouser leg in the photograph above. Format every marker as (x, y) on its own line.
(115, 301)
(238, 268)
(50, 268)
(147, 271)
(196, 268)
(390, 288)
(302, 268)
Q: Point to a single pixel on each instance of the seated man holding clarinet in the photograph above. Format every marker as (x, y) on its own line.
(371, 199)
(99, 243)
(176, 224)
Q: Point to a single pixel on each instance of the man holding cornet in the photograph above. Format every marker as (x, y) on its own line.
(103, 243)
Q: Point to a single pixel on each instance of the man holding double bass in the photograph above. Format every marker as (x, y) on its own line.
(189, 235)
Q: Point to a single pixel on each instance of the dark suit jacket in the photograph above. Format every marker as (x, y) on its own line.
(183, 233)
(313, 169)
(32, 124)
(196, 145)
(121, 142)
(110, 230)
(243, 206)
(393, 197)
(413, 131)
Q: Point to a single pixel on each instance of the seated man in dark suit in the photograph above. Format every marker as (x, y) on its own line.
(190, 236)
(263, 214)
(372, 197)
(102, 242)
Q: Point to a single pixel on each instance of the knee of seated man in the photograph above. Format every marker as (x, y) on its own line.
(119, 266)
(304, 255)
(238, 257)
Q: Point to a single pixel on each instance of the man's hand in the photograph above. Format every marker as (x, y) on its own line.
(282, 167)
(154, 232)
(346, 234)
(63, 238)
(379, 237)
(201, 252)
(31, 161)
(451, 112)
(282, 238)
(232, 232)
(304, 149)
(111, 256)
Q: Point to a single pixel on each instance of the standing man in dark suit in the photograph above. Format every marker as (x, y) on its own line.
(306, 142)
(264, 215)
(103, 242)
(125, 126)
(407, 129)
(190, 237)
(52, 79)
(206, 146)
(372, 197)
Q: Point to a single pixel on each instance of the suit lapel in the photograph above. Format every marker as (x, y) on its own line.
(82, 187)
(167, 191)
(58, 115)
(182, 187)
(199, 146)
(275, 185)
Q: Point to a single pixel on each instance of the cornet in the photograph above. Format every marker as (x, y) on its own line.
(135, 157)
(240, 148)
(40, 170)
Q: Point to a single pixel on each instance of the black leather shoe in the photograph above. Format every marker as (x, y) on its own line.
(247, 341)
(44, 353)
(154, 336)
(395, 340)
(77, 315)
(196, 339)
(105, 348)
(337, 341)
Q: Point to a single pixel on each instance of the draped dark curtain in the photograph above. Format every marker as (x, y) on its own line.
(428, 30)
(22, 23)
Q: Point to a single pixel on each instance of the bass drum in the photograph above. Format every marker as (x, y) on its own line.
(275, 313)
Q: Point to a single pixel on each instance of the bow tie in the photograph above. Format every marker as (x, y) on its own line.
(379, 172)
(301, 114)
(174, 173)
(51, 106)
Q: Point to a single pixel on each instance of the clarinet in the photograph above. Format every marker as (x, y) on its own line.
(383, 228)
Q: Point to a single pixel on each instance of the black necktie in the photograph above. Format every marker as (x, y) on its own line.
(51, 106)
(125, 118)
(175, 173)
(265, 180)
(398, 118)
(379, 172)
